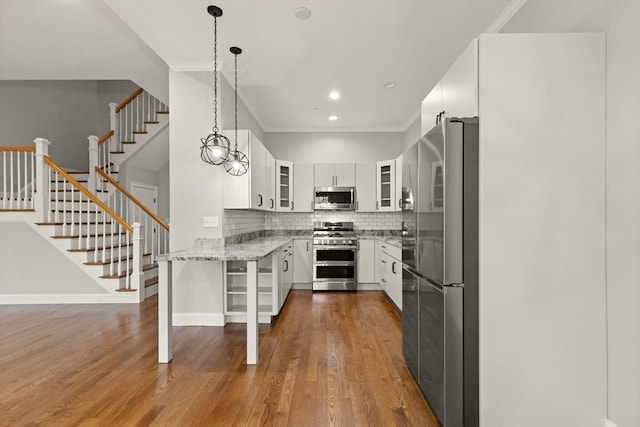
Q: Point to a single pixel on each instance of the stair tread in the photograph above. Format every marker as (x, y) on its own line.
(151, 282)
(17, 210)
(107, 262)
(76, 223)
(128, 142)
(162, 112)
(93, 249)
(70, 236)
(139, 132)
(116, 152)
(152, 123)
(121, 275)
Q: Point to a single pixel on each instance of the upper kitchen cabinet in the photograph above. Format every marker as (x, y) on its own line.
(366, 187)
(398, 183)
(335, 175)
(284, 186)
(256, 188)
(303, 189)
(269, 181)
(385, 177)
(456, 94)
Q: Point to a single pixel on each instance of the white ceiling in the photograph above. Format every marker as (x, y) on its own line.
(289, 66)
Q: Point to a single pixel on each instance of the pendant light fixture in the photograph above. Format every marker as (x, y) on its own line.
(238, 162)
(215, 147)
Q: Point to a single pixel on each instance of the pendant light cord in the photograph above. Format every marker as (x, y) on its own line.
(215, 75)
(235, 149)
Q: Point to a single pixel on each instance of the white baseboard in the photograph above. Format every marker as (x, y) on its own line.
(198, 319)
(301, 286)
(608, 423)
(369, 287)
(123, 298)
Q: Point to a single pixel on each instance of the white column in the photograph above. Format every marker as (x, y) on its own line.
(42, 176)
(165, 313)
(113, 125)
(137, 276)
(93, 162)
(252, 312)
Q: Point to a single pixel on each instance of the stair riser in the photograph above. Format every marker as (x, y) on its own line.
(119, 267)
(60, 230)
(75, 205)
(92, 242)
(90, 258)
(84, 217)
(97, 255)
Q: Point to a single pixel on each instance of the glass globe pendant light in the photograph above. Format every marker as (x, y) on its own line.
(238, 162)
(215, 147)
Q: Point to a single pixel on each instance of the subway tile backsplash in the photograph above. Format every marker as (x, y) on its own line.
(361, 221)
(238, 222)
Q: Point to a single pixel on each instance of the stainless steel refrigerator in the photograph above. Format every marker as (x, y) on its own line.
(440, 269)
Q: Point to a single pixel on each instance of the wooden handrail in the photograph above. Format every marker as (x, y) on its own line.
(106, 136)
(133, 199)
(87, 193)
(23, 149)
(129, 99)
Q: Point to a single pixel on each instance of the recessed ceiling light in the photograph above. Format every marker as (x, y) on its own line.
(333, 118)
(334, 95)
(390, 85)
(302, 13)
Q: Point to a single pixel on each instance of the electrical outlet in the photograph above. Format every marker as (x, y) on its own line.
(210, 221)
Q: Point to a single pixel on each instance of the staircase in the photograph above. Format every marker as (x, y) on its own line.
(88, 215)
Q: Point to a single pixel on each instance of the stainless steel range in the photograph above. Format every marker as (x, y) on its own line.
(334, 257)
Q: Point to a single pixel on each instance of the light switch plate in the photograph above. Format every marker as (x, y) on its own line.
(210, 221)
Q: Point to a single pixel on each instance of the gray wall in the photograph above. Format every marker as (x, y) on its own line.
(21, 247)
(226, 112)
(65, 112)
(326, 147)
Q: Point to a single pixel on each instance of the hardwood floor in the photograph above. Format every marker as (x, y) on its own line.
(330, 359)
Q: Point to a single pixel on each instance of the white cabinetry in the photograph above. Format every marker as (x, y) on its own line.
(456, 94)
(284, 186)
(303, 191)
(269, 181)
(285, 273)
(389, 268)
(235, 290)
(334, 175)
(385, 176)
(256, 188)
(302, 272)
(366, 261)
(366, 187)
(398, 183)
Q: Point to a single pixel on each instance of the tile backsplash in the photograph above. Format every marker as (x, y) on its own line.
(361, 221)
(240, 222)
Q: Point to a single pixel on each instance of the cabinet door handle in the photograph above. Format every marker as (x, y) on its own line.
(307, 246)
(357, 206)
(286, 263)
(273, 204)
(292, 205)
(384, 280)
(377, 204)
(384, 262)
(358, 244)
(312, 205)
(393, 267)
(400, 203)
(260, 199)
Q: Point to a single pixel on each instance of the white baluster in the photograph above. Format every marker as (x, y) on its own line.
(137, 275)
(42, 176)
(5, 205)
(33, 181)
(93, 162)
(113, 125)
(11, 177)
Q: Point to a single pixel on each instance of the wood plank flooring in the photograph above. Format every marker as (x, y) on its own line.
(329, 359)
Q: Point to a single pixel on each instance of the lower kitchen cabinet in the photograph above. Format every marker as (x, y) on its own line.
(275, 279)
(302, 264)
(366, 261)
(235, 290)
(389, 271)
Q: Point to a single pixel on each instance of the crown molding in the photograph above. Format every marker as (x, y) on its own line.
(505, 16)
(335, 130)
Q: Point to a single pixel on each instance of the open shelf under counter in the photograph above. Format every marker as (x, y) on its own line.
(242, 309)
(242, 290)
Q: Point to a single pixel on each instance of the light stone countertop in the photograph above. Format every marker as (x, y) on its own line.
(216, 250)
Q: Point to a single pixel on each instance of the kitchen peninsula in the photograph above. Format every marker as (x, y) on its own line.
(214, 250)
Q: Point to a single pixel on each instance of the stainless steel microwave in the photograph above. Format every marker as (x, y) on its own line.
(335, 199)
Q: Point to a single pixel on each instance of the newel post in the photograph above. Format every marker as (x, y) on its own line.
(93, 162)
(42, 151)
(113, 125)
(137, 275)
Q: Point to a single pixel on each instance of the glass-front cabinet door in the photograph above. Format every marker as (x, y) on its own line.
(284, 186)
(385, 185)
